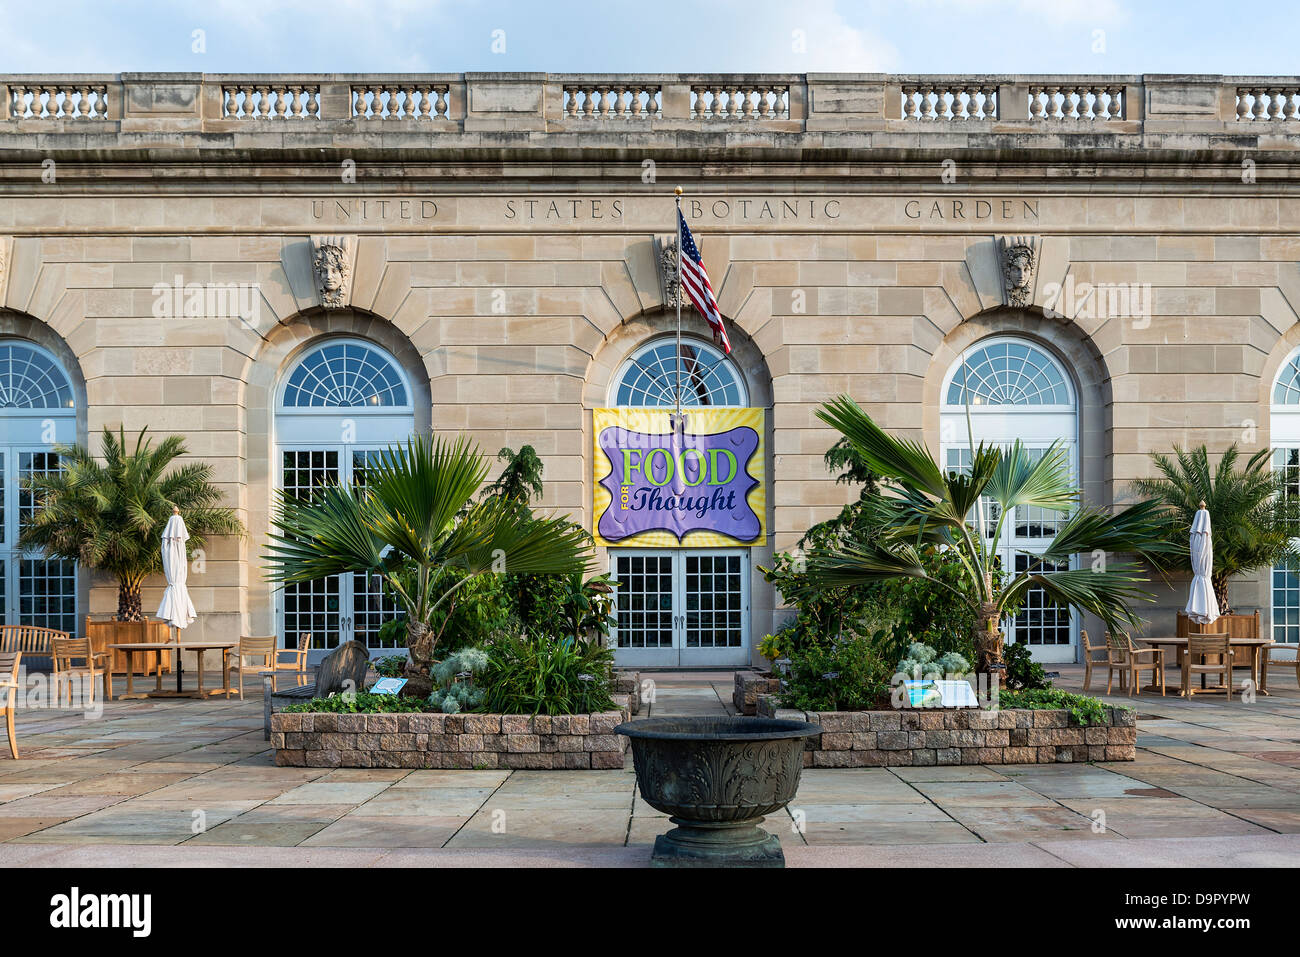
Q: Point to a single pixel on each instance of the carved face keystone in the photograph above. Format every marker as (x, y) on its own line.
(1018, 271)
(328, 264)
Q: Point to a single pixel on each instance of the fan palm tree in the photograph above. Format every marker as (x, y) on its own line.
(109, 516)
(1252, 513)
(414, 524)
(921, 505)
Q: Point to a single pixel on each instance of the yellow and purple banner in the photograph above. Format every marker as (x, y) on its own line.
(658, 488)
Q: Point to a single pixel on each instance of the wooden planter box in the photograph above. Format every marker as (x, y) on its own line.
(105, 633)
(1237, 626)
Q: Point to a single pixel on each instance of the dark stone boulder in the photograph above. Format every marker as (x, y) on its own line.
(343, 669)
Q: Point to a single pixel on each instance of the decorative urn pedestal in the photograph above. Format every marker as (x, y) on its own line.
(717, 778)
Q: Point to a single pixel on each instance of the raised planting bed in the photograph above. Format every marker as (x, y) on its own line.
(864, 739)
(749, 685)
(424, 740)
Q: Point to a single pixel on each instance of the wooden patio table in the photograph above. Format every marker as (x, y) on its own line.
(199, 647)
(1254, 645)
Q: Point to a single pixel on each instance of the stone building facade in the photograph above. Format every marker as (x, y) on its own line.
(292, 271)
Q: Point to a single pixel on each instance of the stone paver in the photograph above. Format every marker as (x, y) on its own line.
(178, 781)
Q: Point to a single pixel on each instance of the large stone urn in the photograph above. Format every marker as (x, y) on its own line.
(717, 778)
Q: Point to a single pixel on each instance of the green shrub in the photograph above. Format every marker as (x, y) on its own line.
(390, 666)
(1023, 672)
(927, 612)
(845, 674)
(561, 606)
(822, 614)
(363, 702)
(1083, 710)
(527, 675)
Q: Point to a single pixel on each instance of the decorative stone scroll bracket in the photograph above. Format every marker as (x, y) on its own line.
(6, 257)
(333, 264)
(1018, 262)
(666, 257)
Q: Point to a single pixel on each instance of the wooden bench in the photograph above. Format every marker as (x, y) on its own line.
(31, 641)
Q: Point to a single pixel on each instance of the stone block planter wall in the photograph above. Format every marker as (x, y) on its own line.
(748, 687)
(320, 740)
(855, 739)
(628, 683)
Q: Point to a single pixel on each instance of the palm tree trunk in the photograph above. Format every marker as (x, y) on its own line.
(988, 639)
(1220, 583)
(128, 601)
(419, 642)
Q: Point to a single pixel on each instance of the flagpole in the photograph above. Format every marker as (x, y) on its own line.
(677, 365)
(679, 429)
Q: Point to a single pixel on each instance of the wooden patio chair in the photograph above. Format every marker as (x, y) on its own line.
(297, 662)
(1267, 658)
(1208, 655)
(262, 647)
(66, 652)
(9, 664)
(1127, 659)
(1089, 661)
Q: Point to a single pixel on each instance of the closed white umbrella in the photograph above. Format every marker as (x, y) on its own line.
(176, 608)
(1202, 605)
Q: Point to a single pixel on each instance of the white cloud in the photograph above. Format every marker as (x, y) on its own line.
(1053, 13)
(763, 38)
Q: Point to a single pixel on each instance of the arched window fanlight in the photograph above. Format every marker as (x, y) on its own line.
(30, 378)
(1008, 372)
(649, 378)
(345, 373)
(1286, 390)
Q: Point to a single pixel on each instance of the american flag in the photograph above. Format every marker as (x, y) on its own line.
(695, 280)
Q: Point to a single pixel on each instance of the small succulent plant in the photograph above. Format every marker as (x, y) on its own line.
(455, 690)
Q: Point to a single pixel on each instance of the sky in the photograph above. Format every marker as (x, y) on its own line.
(648, 36)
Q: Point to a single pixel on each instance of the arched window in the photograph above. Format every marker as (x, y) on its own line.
(31, 378)
(1286, 390)
(342, 403)
(1285, 434)
(1008, 372)
(650, 377)
(998, 391)
(346, 373)
(37, 412)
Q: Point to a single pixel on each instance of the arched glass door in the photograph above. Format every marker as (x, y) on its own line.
(37, 412)
(343, 402)
(686, 607)
(1015, 390)
(1285, 431)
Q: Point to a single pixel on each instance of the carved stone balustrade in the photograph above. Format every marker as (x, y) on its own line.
(1269, 101)
(1077, 101)
(618, 100)
(650, 112)
(74, 99)
(396, 100)
(923, 100)
(265, 100)
(740, 99)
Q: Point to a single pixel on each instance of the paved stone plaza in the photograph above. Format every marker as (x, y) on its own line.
(188, 782)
